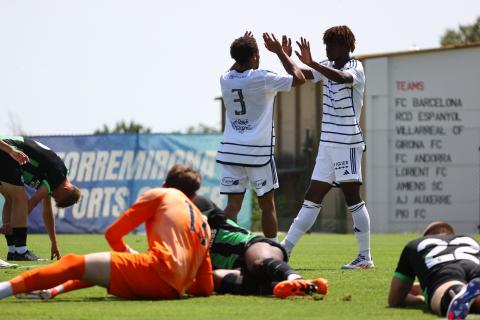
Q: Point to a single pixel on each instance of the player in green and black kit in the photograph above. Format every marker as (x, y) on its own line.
(244, 263)
(447, 266)
(45, 172)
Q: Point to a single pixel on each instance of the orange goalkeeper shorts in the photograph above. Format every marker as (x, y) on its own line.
(133, 276)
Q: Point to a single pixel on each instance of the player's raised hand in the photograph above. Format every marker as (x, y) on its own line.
(304, 55)
(271, 43)
(287, 45)
(248, 34)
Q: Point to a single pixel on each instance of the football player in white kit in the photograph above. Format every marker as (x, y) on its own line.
(247, 147)
(341, 141)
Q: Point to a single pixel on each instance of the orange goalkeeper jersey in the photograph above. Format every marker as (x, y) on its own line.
(177, 234)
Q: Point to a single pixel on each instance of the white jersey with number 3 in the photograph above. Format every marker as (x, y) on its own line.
(249, 96)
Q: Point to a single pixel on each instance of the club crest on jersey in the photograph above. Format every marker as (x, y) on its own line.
(260, 183)
(241, 125)
(227, 181)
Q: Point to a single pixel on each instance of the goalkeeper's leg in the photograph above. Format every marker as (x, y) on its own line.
(93, 269)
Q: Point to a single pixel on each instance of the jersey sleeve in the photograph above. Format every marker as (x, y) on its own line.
(203, 283)
(404, 270)
(138, 213)
(356, 70)
(277, 82)
(317, 76)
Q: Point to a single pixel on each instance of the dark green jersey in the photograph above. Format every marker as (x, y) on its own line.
(229, 240)
(44, 166)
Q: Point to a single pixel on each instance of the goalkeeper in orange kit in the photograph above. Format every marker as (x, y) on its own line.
(177, 260)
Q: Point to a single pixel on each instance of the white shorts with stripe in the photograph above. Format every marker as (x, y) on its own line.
(235, 179)
(338, 165)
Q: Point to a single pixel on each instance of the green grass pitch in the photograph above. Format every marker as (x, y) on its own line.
(358, 294)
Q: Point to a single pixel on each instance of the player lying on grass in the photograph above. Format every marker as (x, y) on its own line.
(247, 264)
(38, 167)
(448, 268)
(177, 260)
(255, 263)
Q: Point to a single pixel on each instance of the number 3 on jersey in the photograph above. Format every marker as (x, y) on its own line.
(240, 100)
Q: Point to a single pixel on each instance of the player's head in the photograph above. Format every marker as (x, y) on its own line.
(244, 51)
(183, 178)
(339, 41)
(438, 227)
(66, 194)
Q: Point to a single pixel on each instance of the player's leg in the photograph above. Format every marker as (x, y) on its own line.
(234, 205)
(443, 296)
(48, 294)
(264, 260)
(264, 180)
(93, 268)
(308, 213)
(233, 181)
(18, 218)
(266, 203)
(348, 174)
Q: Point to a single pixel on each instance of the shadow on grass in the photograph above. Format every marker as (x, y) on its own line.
(420, 307)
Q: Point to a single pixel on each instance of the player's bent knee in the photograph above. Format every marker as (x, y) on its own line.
(74, 264)
(448, 296)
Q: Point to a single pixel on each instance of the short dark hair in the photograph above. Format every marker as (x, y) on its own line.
(69, 199)
(340, 34)
(243, 48)
(183, 178)
(438, 227)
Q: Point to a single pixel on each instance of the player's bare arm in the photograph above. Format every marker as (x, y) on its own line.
(400, 294)
(49, 221)
(273, 45)
(18, 156)
(305, 57)
(38, 196)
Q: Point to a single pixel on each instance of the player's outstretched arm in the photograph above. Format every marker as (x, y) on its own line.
(203, 283)
(400, 296)
(305, 56)
(49, 221)
(273, 45)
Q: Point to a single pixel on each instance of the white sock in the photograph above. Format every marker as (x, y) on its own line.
(294, 276)
(302, 223)
(361, 227)
(11, 249)
(5, 289)
(56, 290)
(275, 239)
(21, 250)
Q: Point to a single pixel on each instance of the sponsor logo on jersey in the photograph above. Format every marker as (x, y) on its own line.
(346, 173)
(241, 125)
(260, 183)
(228, 181)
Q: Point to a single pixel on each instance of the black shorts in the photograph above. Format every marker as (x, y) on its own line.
(10, 171)
(461, 270)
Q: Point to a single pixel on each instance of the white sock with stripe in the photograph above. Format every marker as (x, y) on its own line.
(302, 223)
(361, 227)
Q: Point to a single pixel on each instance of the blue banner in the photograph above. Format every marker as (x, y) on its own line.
(113, 170)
